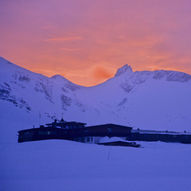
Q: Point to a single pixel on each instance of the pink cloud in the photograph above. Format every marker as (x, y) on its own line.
(60, 39)
(77, 37)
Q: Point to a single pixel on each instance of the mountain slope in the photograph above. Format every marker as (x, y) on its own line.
(34, 92)
(149, 100)
(143, 99)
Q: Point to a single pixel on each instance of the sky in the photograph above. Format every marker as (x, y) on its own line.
(86, 41)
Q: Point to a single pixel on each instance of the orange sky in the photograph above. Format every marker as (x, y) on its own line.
(87, 40)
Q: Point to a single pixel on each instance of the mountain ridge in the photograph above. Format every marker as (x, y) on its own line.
(141, 99)
(125, 69)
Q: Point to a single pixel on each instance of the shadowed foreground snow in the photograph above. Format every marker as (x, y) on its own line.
(71, 166)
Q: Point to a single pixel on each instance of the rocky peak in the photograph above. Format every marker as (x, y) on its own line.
(124, 69)
(57, 76)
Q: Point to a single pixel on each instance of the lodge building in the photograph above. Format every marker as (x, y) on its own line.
(77, 131)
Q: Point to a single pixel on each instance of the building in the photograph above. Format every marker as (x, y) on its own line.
(163, 136)
(73, 131)
(78, 131)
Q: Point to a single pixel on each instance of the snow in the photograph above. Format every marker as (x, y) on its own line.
(154, 100)
(110, 139)
(124, 70)
(157, 100)
(71, 166)
(66, 165)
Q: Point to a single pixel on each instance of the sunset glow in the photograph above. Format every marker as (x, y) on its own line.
(86, 40)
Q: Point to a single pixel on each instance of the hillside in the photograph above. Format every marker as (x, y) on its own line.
(141, 99)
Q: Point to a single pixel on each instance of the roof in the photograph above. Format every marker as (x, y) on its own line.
(62, 123)
(74, 122)
(111, 125)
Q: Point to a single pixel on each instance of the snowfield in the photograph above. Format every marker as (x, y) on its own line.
(70, 166)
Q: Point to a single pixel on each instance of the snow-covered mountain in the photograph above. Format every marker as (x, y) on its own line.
(141, 99)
